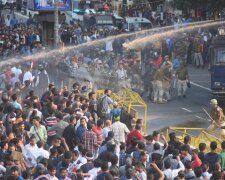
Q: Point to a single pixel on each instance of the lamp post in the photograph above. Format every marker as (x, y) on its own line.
(56, 23)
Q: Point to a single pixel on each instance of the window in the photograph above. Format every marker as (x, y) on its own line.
(220, 56)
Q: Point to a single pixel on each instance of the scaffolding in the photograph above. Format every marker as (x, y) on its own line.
(131, 100)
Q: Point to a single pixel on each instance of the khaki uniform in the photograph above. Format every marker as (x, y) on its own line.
(167, 82)
(198, 55)
(182, 74)
(218, 116)
(158, 83)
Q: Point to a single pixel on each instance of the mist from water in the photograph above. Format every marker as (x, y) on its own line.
(139, 43)
(152, 35)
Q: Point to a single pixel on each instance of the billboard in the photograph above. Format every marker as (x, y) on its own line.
(48, 5)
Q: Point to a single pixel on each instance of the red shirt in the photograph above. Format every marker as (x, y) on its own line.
(99, 134)
(135, 133)
(196, 163)
(158, 61)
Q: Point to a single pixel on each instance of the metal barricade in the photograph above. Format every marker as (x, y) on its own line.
(198, 135)
(133, 102)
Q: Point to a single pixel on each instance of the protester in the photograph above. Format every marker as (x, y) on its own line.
(56, 131)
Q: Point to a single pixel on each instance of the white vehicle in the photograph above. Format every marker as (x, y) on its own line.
(78, 14)
(31, 12)
(90, 11)
(137, 23)
(4, 2)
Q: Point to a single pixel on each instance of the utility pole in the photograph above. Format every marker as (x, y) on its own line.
(124, 8)
(114, 11)
(56, 25)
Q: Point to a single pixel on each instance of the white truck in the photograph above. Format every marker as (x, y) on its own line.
(5, 2)
(137, 24)
(78, 14)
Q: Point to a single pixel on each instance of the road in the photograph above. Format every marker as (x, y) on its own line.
(183, 112)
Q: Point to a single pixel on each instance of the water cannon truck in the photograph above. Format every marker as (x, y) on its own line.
(217, 65)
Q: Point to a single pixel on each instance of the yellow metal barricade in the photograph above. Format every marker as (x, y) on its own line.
(131, 100)
(198, 135)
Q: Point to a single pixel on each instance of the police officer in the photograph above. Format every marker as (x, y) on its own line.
(167, 77)
(218, 117)
(182, 79)
(158, 91)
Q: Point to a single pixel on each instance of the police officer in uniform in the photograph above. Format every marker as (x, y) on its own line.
(218, 117)
(158, 92)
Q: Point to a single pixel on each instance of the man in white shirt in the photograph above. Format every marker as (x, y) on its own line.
(31, 152)
(106, 129)
(121, 75)
(52, 172)
(7, 21)
(108, 46)
(27, 76)
(40, 151)
(120, 130)
(17, 71)
(140, 171)
(35, 108)
(171, 174)
(156, 139)
(106, 102)
(96, 169)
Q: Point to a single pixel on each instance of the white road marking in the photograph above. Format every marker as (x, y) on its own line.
(185, 109)
(202, 118)
(200, 86)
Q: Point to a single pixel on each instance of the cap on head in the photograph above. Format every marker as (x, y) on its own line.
(213, 102)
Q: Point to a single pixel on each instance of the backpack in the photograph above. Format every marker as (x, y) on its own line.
(100, 110)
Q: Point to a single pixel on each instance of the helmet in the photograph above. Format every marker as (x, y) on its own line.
(213, 102)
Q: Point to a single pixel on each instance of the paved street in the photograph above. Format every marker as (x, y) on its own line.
(183, 112)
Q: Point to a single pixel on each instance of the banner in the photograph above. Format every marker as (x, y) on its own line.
(48, 5)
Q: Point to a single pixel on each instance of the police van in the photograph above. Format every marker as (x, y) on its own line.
(217, 65)
(137, 24)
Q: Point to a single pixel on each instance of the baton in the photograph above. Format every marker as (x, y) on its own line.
(210, 117)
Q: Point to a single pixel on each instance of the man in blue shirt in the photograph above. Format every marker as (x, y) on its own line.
(115, 112)
(81, 129)
(15, 172)
(14, 103)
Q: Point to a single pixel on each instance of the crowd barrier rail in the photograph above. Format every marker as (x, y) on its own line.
(198, 135)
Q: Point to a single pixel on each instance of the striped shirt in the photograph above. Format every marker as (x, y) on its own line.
(106, 102)
(49, 122)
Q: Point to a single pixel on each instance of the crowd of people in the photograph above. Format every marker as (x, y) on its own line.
(66, 135)
(62, 131)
